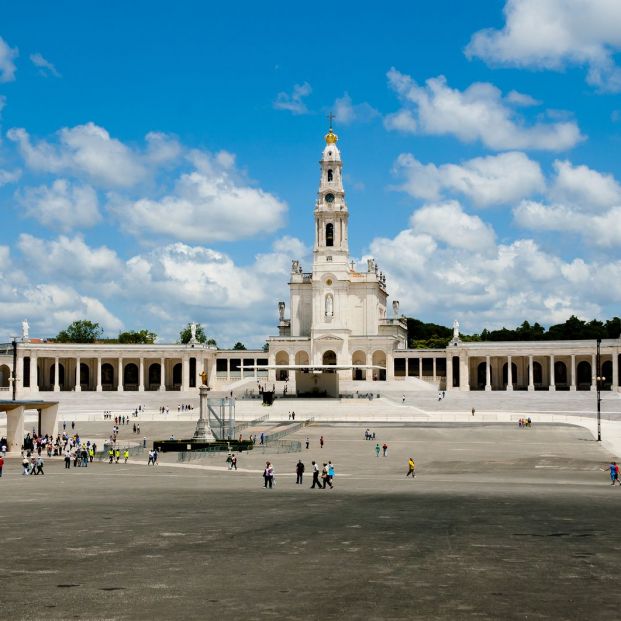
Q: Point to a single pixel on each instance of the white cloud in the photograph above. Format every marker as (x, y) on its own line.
(9, 176)
(7, 61)
(70, 257)
(63, 206)
(478, 113)
(346, 112)
(584, 187)
(294, 102)
(490, 180)
(85, 150)
(45, 67)
(552, 34)
(511, 282)
(448, 223)
(206, 205)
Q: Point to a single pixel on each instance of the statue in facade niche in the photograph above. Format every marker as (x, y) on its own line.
(329, 305)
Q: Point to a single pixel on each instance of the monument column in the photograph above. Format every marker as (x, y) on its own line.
(434, 368)
(420, 367)
(509, 374)
(141, 375)
(162, 374)
(615, 371)
(56, 376)
(449, 372)
(78, 386)
(185, 373)
(593, 372)
(15, 428)
(464, 372)
(573, 372)
(98, 386)
(531, 374)
(552, 384)
(488, 374)
(119, 385)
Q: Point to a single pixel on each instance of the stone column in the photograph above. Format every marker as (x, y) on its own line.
(449, 372)
(203, 432)
(56, 376)
(19, 376)
(615, 371)
(552, 385)
(78, 386)
(434, 368)
(141, 375)
(420, 367)
(33, 372)
(464, 372)
(509, 374)
(49, 420)
(228, 370)
(15, 428)
(119, 385)
(98, 385)
(531, 374)
(390, 367)
(488, 374)
(593, 372)
(572, 386)
(185, 373)
(162, 374)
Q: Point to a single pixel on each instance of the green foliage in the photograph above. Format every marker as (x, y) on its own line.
(266, 347)
(81, 331)
(144, 337)
(239, 346)
(423, 335)
(212, 342)
(186, 334)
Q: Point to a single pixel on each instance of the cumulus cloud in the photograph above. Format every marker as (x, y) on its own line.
(584, 187)
(208, 204)
(507, 284)
(46, 68)
(552, 34)
(7, 61)
(62, 206)
(346, 112)
(84, 150)
(490, 180)
(9, 176)
(294, 101)
(479, 113)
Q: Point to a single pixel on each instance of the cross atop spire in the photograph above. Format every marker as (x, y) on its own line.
(330, 117)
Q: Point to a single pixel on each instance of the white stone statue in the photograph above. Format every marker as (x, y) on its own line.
(281, 311)
(395, 308)
(456, 329)
(25, 330)
(295, 266)
(193, 332)
(329, 305)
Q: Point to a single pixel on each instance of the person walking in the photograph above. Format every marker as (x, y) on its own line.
(385, 448)
(233, 462)
(316, 481)
(150, 462)
(25, 466)
(125, 455)
(39, 465)
(330, 473)
(111, 455)
(268, 475)
(117, 455)
(321, 442)
(307, 443)
(299, 472)
(67, 460)
(411, 468)
(324, 476)
(1, 464)
(377, 450)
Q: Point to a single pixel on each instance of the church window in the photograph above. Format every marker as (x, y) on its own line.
(330, 234)
(330, 175)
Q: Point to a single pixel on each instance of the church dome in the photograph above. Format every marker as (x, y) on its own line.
(331, 137)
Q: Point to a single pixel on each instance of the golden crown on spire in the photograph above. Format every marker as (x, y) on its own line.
(331, 137)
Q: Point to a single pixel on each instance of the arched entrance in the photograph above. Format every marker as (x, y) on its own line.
(560, 374)
(302, 357)
(584, 377)
(359, 357)
(107, 376)
(329, 357)
(61, 375)
(482, 375)
(177, 374)
(155, 376)
(85, 376)
(379, 360)
(5, 376)
(282, 358)
(130, 376)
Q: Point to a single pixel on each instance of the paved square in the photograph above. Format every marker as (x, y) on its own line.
(500, 523)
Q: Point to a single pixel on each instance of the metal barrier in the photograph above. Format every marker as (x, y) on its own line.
(275, 446)
(133, 450)
(272, 437)
(251, 423)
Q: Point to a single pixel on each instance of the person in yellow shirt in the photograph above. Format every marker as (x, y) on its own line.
(125, 455)
(411, 468)
(117, 455)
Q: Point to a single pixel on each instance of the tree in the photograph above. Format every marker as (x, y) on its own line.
(212, 342)
(266, 347)
(239, 346)
(80, 331)
(186, 334)
(144, 337)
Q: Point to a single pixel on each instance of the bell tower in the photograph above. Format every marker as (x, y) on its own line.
(331, 249)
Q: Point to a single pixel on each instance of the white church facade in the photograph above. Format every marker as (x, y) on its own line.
(341, 328)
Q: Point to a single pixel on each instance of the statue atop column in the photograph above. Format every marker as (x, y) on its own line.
(25, 331)
(193, 340)
(395, 308)
(456, 330)
(281, 311)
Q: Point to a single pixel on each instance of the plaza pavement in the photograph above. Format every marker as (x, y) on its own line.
(500, 523)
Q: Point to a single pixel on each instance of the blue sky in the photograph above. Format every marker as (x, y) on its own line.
(158, 161)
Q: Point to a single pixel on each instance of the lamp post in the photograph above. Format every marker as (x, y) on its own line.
(14, 378)
(598, 387)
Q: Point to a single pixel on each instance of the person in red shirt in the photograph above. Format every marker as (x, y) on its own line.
(1, 464)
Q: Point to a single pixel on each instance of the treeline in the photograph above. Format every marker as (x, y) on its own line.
(430, 335)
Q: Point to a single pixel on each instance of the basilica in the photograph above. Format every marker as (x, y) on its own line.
(341, 335)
